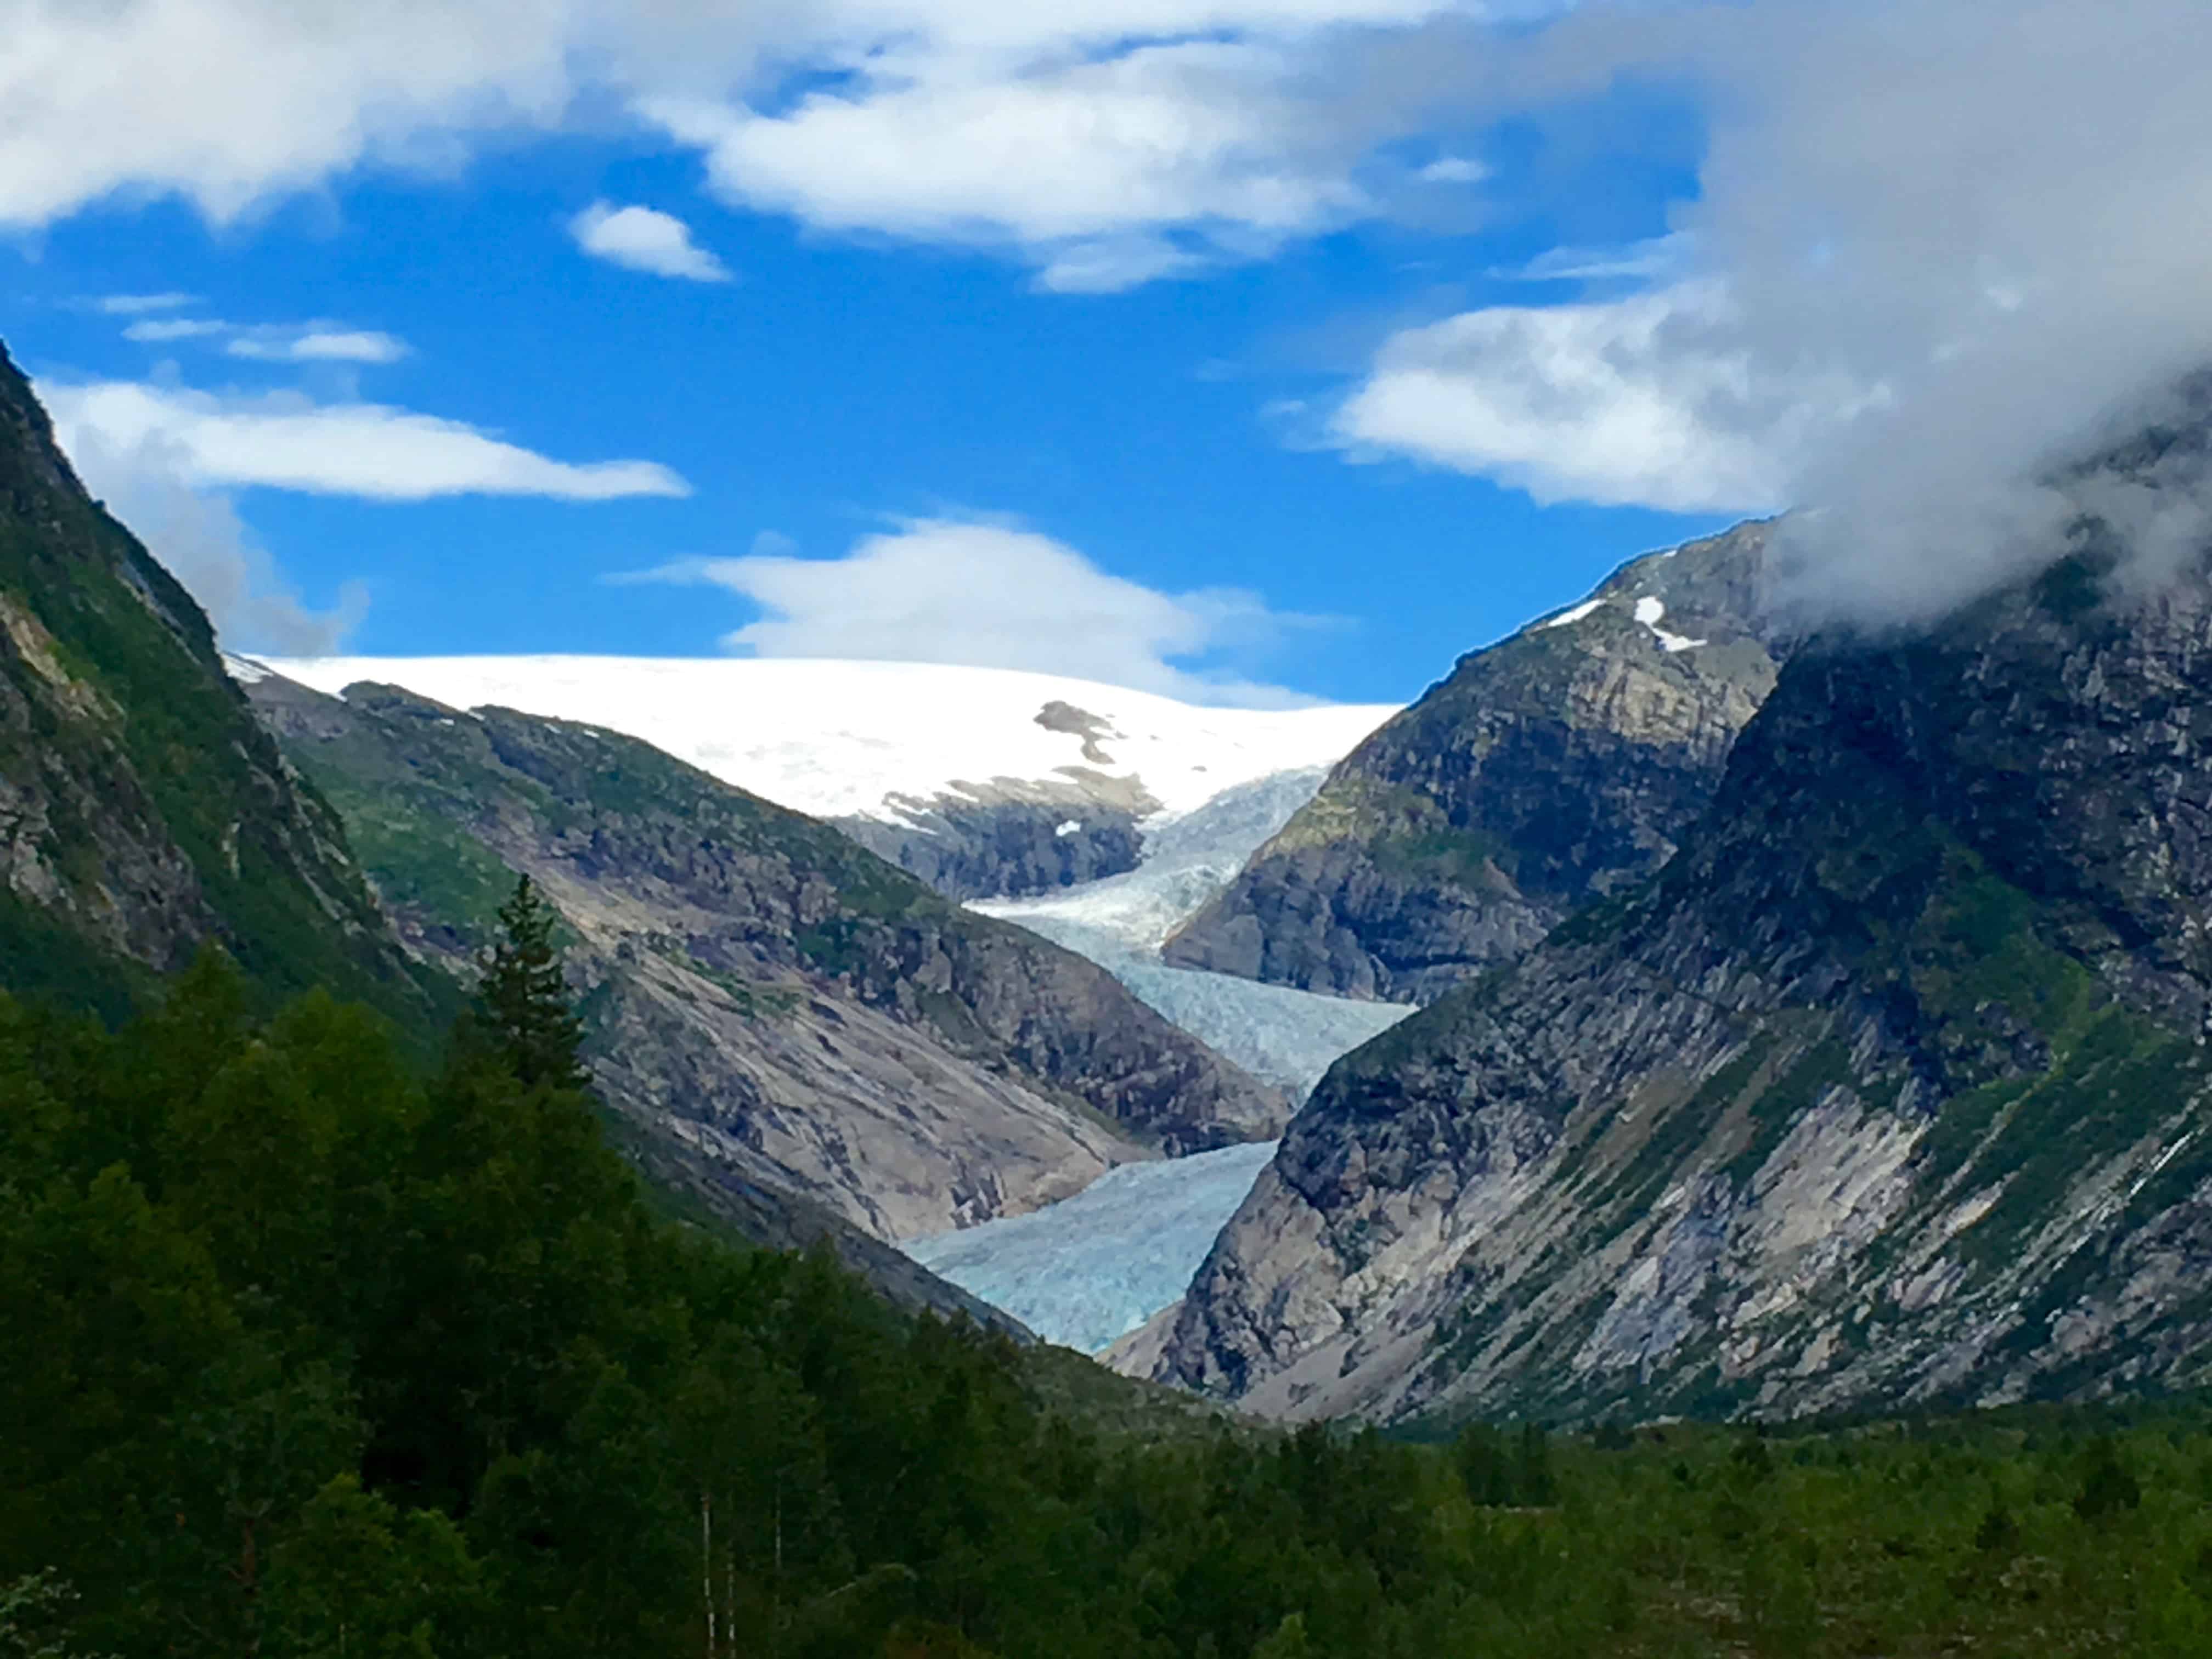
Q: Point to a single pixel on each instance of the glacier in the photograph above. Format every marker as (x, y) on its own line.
(1092, 1269)
(1286, 1037)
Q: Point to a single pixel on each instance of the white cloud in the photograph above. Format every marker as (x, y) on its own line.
(276, 343)
(1069, 134)
(644, 238)
(228, 101)
(1084, 165)
(1652, 259)
(133, 305)
(200, 538)
(286, 441)
(1453, 170)
(1646, 400)
(152, 331)
(995, 595)
(1954, 236)
(317, 343)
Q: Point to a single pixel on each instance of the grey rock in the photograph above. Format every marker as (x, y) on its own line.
(142, 811)
(765, 996)
(1556, 766)
(1890, 1089)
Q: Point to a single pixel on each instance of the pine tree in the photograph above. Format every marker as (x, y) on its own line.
(524, 995)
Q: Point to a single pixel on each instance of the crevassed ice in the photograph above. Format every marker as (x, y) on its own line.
(1094, 1268)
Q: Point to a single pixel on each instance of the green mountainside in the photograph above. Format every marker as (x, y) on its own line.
(1891, 1088)
(143, 809)
(1556, 766)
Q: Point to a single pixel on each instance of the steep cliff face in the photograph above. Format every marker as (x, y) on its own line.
(1555, 767)
(1891, 1087)
(765, 996)
(1011, 838)
(142, 808)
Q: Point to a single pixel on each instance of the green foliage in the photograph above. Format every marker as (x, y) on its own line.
(313, 1356)
(137, 739)
(524, 995)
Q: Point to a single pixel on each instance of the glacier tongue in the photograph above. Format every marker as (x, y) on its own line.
(1286, 1037)
(1094, 1268)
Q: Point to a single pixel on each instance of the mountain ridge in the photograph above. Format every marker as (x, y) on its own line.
(142, 811)
(762, 991)
(1888, 1089)
(1546, 770)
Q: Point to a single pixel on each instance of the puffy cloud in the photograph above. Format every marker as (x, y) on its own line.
(1953, 235)
(1644, 400)
(198, 535)
(287, 441)
(996, 595)
(644, 238)
(226, 102)
(1085, 166)
(1106, 141)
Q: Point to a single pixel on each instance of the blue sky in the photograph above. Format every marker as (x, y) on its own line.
(1232, 348)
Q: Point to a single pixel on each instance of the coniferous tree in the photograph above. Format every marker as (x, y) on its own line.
(524, 994)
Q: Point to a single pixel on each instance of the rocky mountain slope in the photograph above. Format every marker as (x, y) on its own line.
(982, 781)
(1891, 1087)
(142, 810)
(767, 999)
(1555, 767)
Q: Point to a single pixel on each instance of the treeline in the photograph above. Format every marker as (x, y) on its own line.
(305, 1353)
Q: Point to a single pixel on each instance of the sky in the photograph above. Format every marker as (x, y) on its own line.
(1243, 350)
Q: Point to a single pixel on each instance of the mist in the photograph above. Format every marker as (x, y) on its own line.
(1958, 244)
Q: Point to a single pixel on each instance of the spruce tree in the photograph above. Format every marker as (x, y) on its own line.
(524, 996)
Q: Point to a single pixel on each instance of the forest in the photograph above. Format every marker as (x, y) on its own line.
(313, 1348)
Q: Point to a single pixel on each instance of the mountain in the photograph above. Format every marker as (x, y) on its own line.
(1890, 1089)
(145, 810)
(1556, 766)
(768, 1002)
(142, 810)
(983, 782)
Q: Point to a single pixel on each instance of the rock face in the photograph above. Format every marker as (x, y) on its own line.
(142, 809)
(1012, 837)
(1891, 1088)
(766, 998)
(1556, 766)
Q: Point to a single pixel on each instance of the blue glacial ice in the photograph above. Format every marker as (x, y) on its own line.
(1095, 1266)
(1286, 1037)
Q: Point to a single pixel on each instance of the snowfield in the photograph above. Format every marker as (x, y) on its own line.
(839, 738)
